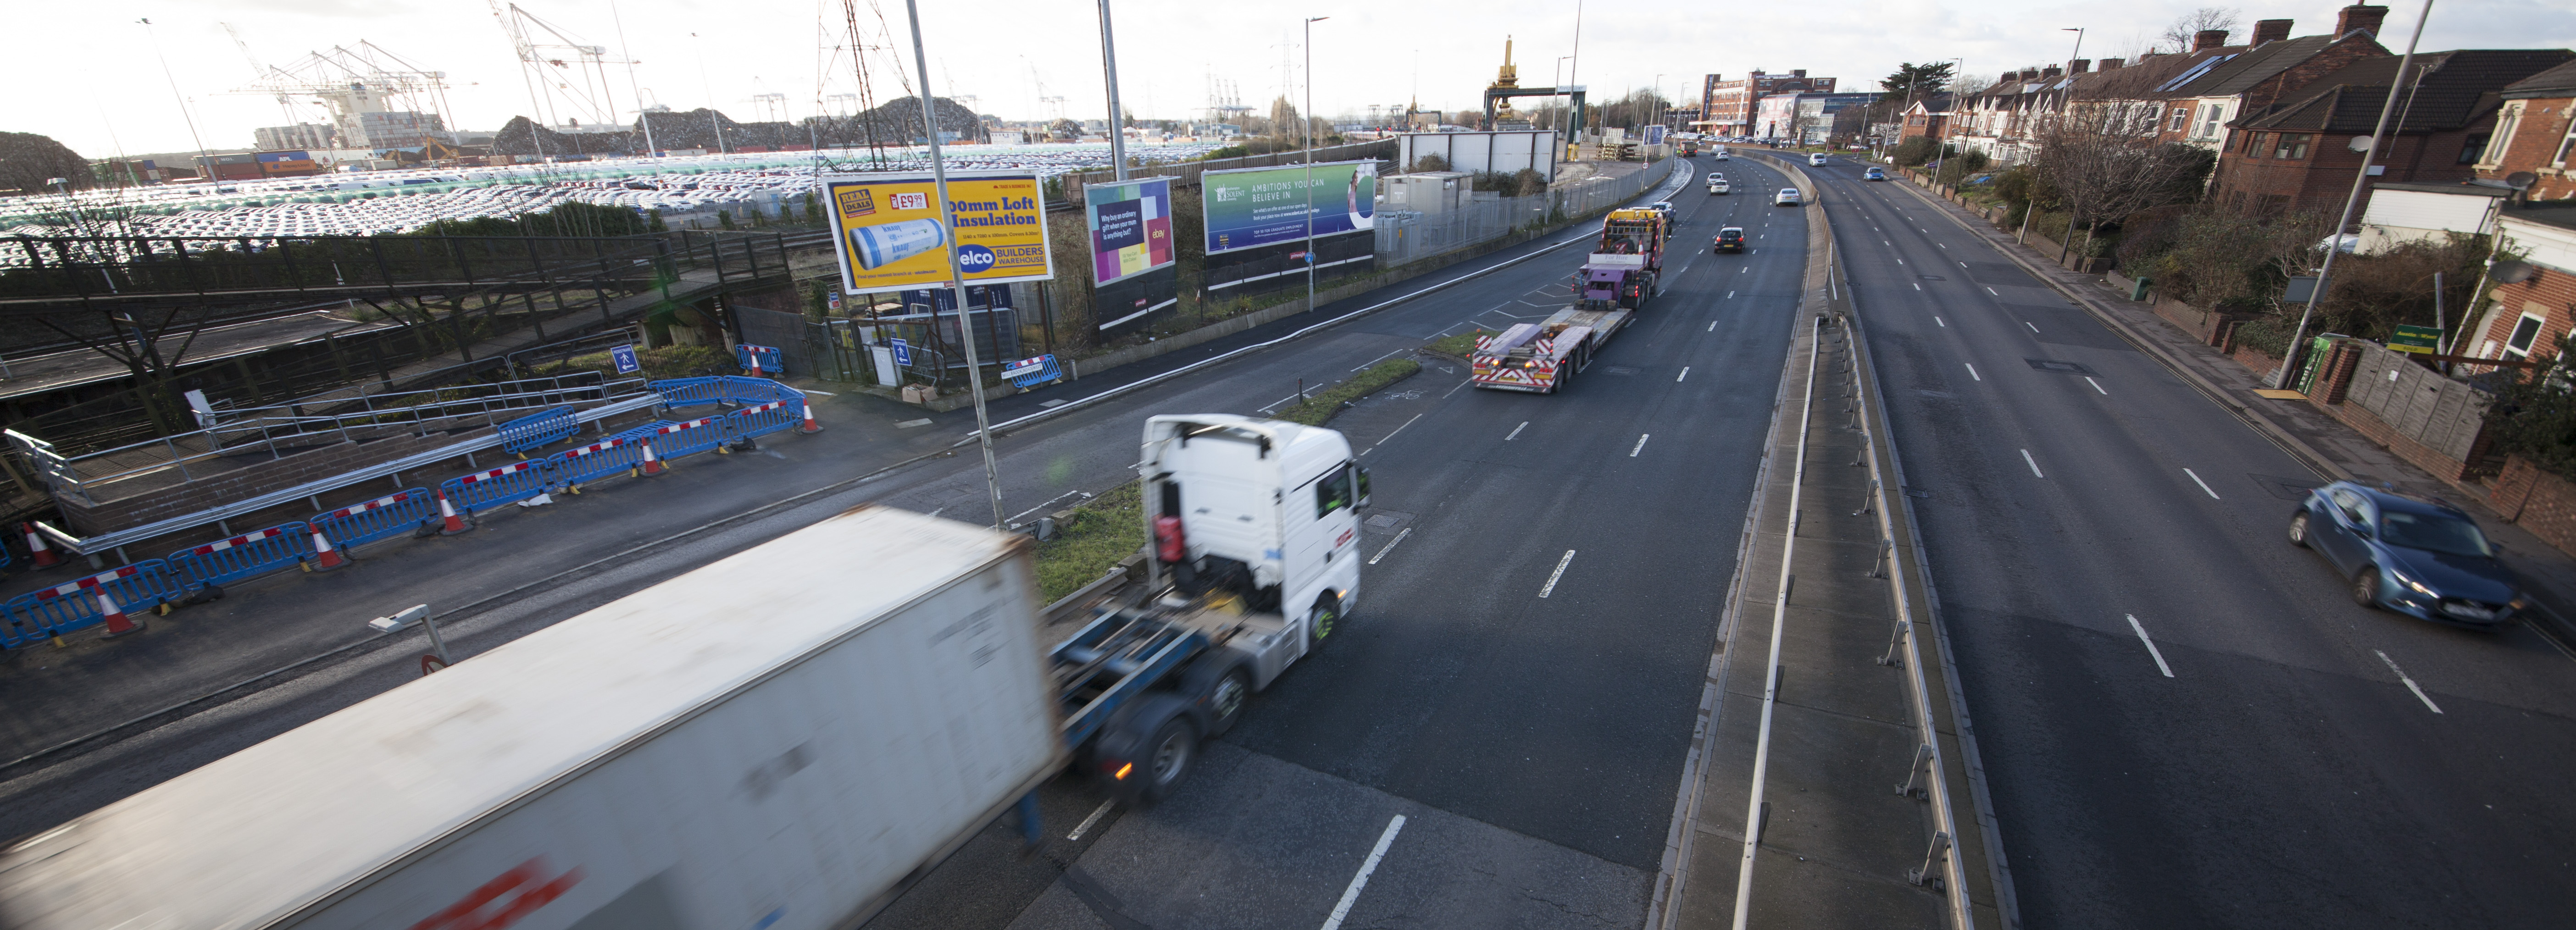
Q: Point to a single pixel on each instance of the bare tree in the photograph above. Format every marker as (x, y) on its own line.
(2104, 169)
(2187, 27)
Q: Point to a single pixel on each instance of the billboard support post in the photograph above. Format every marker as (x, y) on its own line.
(1117, 119)
(956, 272)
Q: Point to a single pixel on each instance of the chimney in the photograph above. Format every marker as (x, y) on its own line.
(2271, 30)
(2030, 74)
(2207, 39)
(2359, 18)
(2048, 73)
(2110, 64)
(1802, 72)
(2080, 65)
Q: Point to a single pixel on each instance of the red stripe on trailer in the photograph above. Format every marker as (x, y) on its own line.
(242, 540)
(370, 505)
(499, 472)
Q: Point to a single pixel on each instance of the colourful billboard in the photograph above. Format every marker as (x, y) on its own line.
(1131, 228)
(1254, 207)
(893, 238)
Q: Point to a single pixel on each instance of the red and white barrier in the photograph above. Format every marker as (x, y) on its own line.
(42, 554)
(325, 558)
(449, 523)
(118, 624)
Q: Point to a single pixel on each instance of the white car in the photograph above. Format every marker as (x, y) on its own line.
(1719, 186)
(1817, 158)
(1719, 155)
(1664, 207)
(1788, 197)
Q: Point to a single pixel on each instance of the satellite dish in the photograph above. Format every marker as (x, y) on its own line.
(2521, 180)
(2510, 272)
(2358, 144)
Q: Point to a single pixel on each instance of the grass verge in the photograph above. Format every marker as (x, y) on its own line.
(1090, 541)
(1321, 405)
(1461, 345)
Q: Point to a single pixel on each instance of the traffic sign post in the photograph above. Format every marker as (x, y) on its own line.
(624, 357)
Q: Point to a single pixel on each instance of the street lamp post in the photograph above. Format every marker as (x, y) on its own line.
(1117, 118)
(1309, 116)
(956, 272)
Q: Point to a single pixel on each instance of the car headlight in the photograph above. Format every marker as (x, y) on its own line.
(2411, 584)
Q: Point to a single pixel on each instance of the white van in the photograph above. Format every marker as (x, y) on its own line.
(1816, 158)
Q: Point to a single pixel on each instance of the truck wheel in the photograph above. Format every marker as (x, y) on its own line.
(1168, 755)
(1319, 623)
(1221, 691)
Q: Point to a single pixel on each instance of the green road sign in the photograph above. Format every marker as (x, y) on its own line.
(2423, 339)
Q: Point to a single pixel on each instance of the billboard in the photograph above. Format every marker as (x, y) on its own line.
(891, 236)
(1253, 207)
(1131, 228)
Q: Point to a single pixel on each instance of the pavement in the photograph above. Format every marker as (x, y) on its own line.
(2183, 721)
(1535, 744)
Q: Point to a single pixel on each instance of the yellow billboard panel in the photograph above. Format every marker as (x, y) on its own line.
(893, 238)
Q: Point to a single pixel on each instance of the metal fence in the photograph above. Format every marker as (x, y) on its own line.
(1405, 236)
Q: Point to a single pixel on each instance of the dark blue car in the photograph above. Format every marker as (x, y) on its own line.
(2421, 558)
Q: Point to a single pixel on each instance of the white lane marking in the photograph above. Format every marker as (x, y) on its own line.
(1887, 243)
(2204, 486)
(1712, 326)
(1991, 290)
(1383, 441)
(1351, 895)
(1390, 545)
(1730, 295)
(1091, 821)
(1918, 285)
(2410, 683)
(2151, 646)
(2096, 385)
(824, 393)
(1685, 374)
(1461, 384)
(1379, 359)
(908, 424)
(1516, 431)
(1942, 244)
(1943, 325)
(1900, 261)
(2033, 463)
(1972, 370)
(1050, 503)
(1744, 269)
(1275, 403)
(1963, 264)
(1558, 573)
(2033, 328)
(1641, 444)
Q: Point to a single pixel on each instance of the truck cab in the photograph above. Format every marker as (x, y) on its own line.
(1259, 517)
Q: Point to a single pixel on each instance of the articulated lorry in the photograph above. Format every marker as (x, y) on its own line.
(1616, 279)
(782, 739)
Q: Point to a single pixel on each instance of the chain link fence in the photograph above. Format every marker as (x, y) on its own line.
(1405, 236)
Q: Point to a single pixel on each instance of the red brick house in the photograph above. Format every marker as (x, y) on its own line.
(2298, 157)
(2534, 133)
(2527, 316)
(1927, 117)
(2195, 108)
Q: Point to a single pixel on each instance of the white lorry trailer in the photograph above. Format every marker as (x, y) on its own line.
(783, 739)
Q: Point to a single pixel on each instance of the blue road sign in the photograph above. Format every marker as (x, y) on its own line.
(624, 356)
(902, 352)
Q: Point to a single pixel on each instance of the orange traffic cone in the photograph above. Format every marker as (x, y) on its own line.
(451, 524)
(325, 557)
(117, 623)
(810, 426)
(652, 465)
(36, 549)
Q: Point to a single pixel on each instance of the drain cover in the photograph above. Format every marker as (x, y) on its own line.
(2045, 364)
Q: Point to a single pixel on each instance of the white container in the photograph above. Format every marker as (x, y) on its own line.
(774, 740)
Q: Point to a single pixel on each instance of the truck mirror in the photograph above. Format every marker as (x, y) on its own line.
(1363, 485)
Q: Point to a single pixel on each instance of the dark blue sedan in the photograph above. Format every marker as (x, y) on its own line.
(2421, 558)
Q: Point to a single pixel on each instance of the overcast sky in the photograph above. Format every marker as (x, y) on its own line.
(110, 92)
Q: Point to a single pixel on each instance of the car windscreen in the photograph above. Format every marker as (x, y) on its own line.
(2434, 533)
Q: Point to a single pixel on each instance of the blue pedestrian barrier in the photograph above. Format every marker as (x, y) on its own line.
(576, 467)
(249, 555)
(538, 429)
(382, 518)
(1030, 372)
(69, 606)
(689, 392)
(764, 419)
(688, 437)
(484, 489)
(765, 360)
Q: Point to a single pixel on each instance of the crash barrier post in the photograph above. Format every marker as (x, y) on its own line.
(485, 489)
(538, 429)
(249, 555)
(382, 518)
(84, 602)
(573, 468)
(689, 437)
(763, 420)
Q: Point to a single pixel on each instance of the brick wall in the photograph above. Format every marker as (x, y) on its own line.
(2535, 141)
(2262, 363)
(2551, 294)
(2539, 501)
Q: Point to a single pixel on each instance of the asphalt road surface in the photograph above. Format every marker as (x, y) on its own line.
(1532, 745)
(2282, 774)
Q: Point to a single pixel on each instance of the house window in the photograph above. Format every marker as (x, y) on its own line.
(2181, 117)
(2566, 147)
(2525, 333)
(2475, 149)
(2209, 120)
(2506, 123)
(2292, 146)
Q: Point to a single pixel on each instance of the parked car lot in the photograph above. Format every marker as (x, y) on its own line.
(2422, 558)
